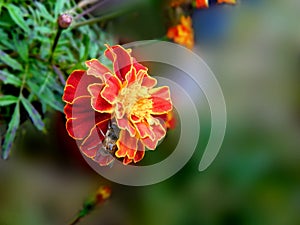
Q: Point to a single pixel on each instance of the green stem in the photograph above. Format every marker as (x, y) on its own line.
(97, 19)
(57, 36)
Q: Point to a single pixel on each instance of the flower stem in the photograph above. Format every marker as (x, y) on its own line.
(101, 195)
(95, 20)
(91, 9)
(57, 36)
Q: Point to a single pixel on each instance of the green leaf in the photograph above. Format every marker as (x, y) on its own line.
(16, 14)
(22, 48)
(44, 12)
(7, 100)
(10, 61)
(59, 7)
(46, 96)
(9, 78)
(11, 132)
(33, 114)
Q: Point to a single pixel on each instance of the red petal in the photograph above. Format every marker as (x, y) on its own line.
(160, 106)
(145, 130)
(93, 141)
(130, 77)
(126, 160)
(139, 155)
(96, 68)
(138, 66)
(159, 131)
(76, 85)
(124, 123)
(127, 145)
(111, 89)
(149, 81)
(103, 159)
(98, 103)
(121, 59)
(81, 118)
(160, 92)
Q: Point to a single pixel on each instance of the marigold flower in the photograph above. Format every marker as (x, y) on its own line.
(182, 33)
(127, 94)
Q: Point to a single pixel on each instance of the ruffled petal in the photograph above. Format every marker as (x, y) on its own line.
(98, 102)
(145, 130)
(81, 118)
(76, 85)
(126, 144)
(102, 158)
(122, 61)
(168, 119)
(93, 141)
(159, 131)
(124, 124)
(97, 69)
(160, 106)
(139, 155)
(160, 92)
(111, 89)
(126, 160)
(138, 66)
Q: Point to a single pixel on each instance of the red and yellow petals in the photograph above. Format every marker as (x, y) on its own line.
(93, 141)
(139, 155)
(148, 81)
(138, 66)
(71, 85)
(232, 2)
(126, 160)
(98, 103)
(159, 131)
(130, 78)
(145, 130)
(119, 110)
(96, 69)
(202, 4)
(80, 117)
(161, 92)
(170, 121)
(76, 85)
(121, 58)
(111, 89)
(160, 105)
(125, 124)
(127, 145)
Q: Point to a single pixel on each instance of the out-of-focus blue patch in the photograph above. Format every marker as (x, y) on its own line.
(211, 25)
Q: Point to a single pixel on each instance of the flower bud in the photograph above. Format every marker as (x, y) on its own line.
(64, 21)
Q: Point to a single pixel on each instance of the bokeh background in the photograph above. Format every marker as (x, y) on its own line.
(253, 49)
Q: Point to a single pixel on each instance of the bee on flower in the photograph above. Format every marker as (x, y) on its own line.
(128, 95)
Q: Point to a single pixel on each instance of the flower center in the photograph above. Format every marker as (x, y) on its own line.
(142, 109)
(130, 96)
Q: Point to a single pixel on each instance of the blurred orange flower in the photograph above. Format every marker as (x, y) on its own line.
(201, 3)
(226, 1)
(182, 33)
(127, 94)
